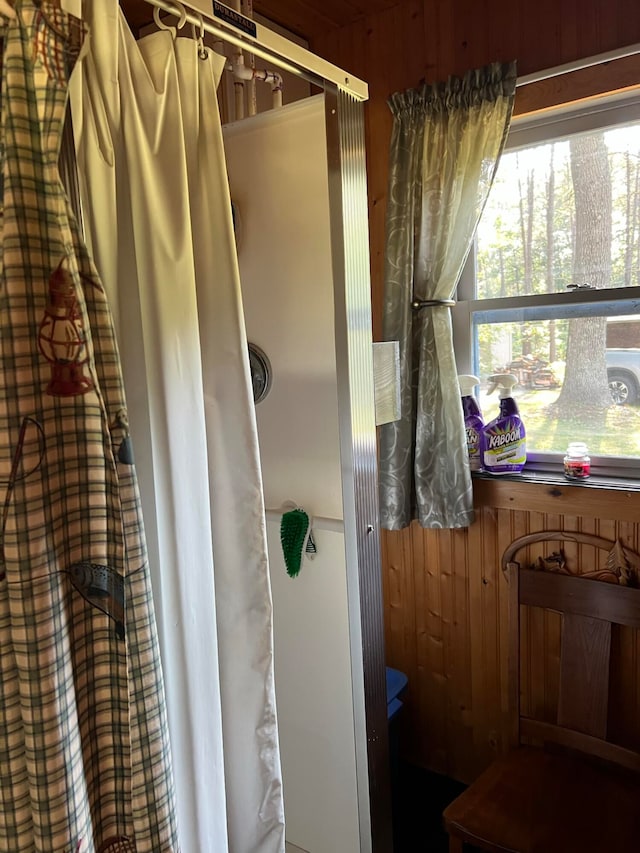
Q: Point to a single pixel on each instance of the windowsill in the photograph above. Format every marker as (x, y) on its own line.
(552, 495)
(552, 478)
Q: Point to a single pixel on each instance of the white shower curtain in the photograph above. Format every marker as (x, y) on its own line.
(158, 220)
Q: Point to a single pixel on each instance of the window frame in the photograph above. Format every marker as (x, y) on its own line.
(553, 124)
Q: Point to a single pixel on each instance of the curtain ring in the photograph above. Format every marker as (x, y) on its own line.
(199, 37)
(160, 24)
(182, 20)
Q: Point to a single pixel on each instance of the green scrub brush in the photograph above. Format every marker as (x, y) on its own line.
(295, 529)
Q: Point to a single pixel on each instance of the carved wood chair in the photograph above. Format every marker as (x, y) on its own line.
(580, 793)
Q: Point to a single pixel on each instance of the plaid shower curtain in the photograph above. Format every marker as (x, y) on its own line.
(84, 756)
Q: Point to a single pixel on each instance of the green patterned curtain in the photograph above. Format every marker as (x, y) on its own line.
(85, 765)
(446, 142)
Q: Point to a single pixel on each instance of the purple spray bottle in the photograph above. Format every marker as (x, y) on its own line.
(473, 422)
(505, 447)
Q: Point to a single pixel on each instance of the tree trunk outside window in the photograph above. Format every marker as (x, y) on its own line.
(586, 373)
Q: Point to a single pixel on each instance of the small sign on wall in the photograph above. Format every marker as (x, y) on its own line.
(386, 379)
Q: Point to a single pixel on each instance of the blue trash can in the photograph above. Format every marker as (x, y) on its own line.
(396, 683)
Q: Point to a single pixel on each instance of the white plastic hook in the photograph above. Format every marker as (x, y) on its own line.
(199, 37)
(160, 24)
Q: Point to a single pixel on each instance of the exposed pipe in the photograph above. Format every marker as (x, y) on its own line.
(251, 92)
(237, 63)
(242, 72)
(249, 73)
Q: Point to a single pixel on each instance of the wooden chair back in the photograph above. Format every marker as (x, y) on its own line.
(588, 608)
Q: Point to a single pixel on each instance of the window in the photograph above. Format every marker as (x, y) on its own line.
(551, 289)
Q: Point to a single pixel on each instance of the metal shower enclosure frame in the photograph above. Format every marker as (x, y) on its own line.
(344, 97)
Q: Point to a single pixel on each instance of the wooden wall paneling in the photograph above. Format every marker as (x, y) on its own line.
(412, 566)
(461, 663)
(607, 528)
(395, 606)
(442, 544)
(504, 538)
(536, 639)
(429, 689)
(431, 39)
(490, 589)
(625, 661)
(503, 41)
(406, 604)
(569, 21)
(558, 499)
(445, 15)
(300, 18)
(547, 48)
(572, 549)
(420, 709)
(423, 692)
(475, 535)
(434, 686)
(471, 42)
(351, 44)
(519, 526)
(412, 45)
(589, 29)
(588, 555)
(384, 558)
(552, 635)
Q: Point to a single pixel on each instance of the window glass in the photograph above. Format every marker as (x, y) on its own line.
(549, 202)
(551, 292)
(535, 352)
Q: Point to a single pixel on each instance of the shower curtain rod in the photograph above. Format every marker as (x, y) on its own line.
(578, 65)
(230, 26)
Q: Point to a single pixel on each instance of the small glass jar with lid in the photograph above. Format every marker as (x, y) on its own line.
(577, 462)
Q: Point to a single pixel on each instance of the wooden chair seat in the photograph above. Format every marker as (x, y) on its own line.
(532, 801)
(556, 800)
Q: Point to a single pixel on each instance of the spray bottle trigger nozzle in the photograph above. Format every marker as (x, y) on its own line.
(503, 381)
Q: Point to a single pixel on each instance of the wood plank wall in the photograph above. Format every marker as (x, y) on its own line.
(446, 621)
(445, 603)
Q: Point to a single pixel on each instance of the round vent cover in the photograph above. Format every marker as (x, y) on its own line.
(260, 373)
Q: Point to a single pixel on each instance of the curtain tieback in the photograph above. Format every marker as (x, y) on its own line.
(418, 304)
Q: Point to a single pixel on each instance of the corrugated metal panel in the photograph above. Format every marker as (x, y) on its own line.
(352, 290)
